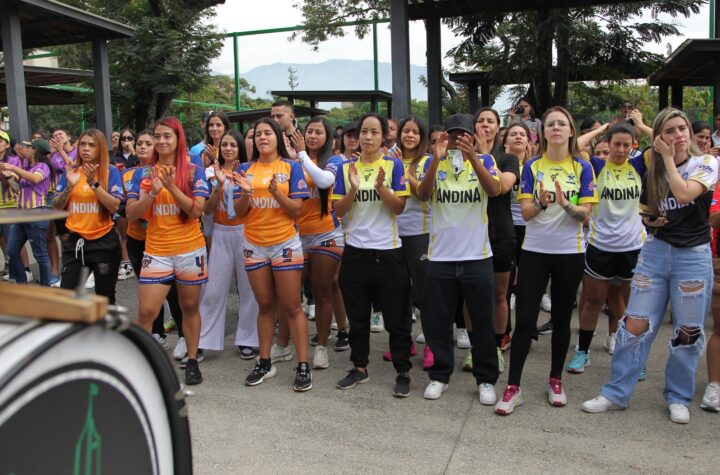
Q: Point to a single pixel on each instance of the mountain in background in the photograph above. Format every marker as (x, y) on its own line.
(334, 74)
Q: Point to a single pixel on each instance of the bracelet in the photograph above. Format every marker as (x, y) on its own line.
(151, 194)
(539, 206)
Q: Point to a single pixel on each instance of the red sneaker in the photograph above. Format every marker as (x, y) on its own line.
(428, 357)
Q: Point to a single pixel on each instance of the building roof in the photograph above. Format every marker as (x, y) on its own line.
(50, 23)
(693, 63)
(335, 96)
(43, 96)
(42, 76)
(255, 114)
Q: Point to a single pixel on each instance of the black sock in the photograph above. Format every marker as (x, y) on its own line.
(265, 362)
(586, 337)
(498, 339)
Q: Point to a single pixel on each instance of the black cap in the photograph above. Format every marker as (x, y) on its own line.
(462, 122)
(350, 127)
(206, 116)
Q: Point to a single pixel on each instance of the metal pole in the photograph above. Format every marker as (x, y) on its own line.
(375, 57)
(237, 72)
(82, 118)
(14, 73)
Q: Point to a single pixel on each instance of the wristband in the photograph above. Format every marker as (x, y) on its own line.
(151, 194)
(95, 185)
(538, 204)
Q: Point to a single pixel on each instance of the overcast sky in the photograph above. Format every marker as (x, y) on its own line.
(243, 15)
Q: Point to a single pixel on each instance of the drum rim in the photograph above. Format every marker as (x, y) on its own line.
(167, 379)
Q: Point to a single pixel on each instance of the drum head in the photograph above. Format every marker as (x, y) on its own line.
(91, 400)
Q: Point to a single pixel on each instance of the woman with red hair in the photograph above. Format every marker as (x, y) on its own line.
(91, 192)
(172, 200)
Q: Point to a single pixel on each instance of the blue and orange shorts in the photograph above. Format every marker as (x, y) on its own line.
(189, 268)
(287, 255)
(330, 244)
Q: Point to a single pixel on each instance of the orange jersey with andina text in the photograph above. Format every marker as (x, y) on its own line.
(167, 233)
(86, 215)
(266, 223)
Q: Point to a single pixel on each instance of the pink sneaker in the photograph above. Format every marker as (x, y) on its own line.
(387, 356)
(511, 398)
(428, 357)
(555, 392)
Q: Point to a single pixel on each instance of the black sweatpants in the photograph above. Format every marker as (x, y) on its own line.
(102, 256)
(415, 249)
(136, 250)
(566, 271)
(380, 276)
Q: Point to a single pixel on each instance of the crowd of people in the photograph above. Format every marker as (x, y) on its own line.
(381, 220)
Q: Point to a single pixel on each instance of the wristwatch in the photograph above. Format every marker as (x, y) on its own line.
(95, 185)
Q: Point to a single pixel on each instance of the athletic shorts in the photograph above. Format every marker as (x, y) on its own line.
(189, 268)
(287, 255)
(605, 265)
(503, 257)
(330, 244)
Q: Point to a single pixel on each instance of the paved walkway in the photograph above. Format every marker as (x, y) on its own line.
(270, 429)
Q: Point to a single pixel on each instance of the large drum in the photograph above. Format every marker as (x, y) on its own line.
(81, 398)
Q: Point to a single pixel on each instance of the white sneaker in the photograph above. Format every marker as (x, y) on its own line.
(600, 404)
(512, 302)
(679, 413)
(556, 393)
(545, 303)
(161, 341)
(125, 271)
(420, 338)
(376, 322)
(434, 390)
(462, 340)
(610, 343)
(180, 350)
(333, 325)
(320, 358)
(280, 353)
(90, 282)
(311, 312)
(487, 394)
(711, 398)
(28, 276)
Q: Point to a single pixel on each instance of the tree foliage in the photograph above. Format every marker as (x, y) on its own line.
(541, 50)
(169, 54)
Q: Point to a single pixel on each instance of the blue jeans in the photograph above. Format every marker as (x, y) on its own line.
(35, 233)
(684, 277)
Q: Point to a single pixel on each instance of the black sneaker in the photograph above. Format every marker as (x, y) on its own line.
(353, 377)
(192, 373)
(402, 385)
(342, 343)
(303, 378)
(313, 340)
(546, 328)
(263, 370)
(247, 352)
(200, 358)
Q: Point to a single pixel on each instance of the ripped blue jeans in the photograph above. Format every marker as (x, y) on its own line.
(664, 273)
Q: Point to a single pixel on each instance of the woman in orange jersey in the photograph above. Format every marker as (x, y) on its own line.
(227, 256)
(273, 188)
(91, 192)
(322, 236)
(172, 202)
(136, 231)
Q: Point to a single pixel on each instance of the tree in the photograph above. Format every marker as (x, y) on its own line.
(537, 49)
(169, 54)
(292, 78)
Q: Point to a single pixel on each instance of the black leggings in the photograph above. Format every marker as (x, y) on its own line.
(566, 271)
(415, 249)
(519, 238)
(136, 250)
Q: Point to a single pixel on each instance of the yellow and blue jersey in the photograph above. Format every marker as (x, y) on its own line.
(415, 219)
(553, 231)
(459, 229)
(615, 223)
(369, 224)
